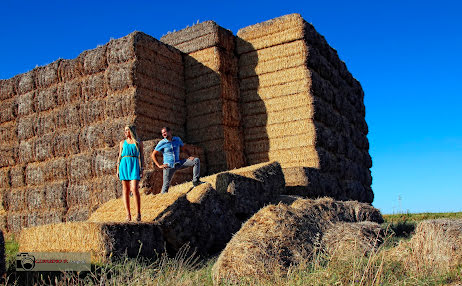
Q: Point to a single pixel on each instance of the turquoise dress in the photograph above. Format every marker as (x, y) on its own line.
(129, 168)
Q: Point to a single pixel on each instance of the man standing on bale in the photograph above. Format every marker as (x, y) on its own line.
(170, 147)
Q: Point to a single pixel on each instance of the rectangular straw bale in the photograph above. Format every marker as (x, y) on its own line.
(119, 104)
(47, 75)
(147, 127)
(120, 76)
(162, 87)
(279, 129)
(299, 86)
(105, 241)
(71, 91)
(288, 141)
(80, 213)
(8, 132)
(164, 101)
(43, 147)
(274, 65)
(35, 198)
(66, 142)
(26, 82)
(26, 151)
(94, 60)
(306, 156)
(8, 154)
(35, 173)
(94, 136)
(294, 114)
(144, 41)
(159, 113)
(276, 104)
(56, 169)
(199, 37)
(121, 50)
(25, 103)
(154, 69)
(322, 88)
(310, 182)
(45, 122)
(211, 59)
(17, 176)
(275, 78)
(227, 89)
(8, 110)
(91, 111)
(15, 199)
(146, 53)
(81, 167)
(93, 86)
(78, 194)
(261, 56)
(69, 70)
(105, 161)
(8, 87)
(203, 81)
(15, 221)
(5, 181)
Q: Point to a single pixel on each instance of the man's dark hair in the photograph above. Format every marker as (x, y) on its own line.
(166, 128)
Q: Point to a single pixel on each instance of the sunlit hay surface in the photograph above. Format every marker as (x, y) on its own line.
(435, 247)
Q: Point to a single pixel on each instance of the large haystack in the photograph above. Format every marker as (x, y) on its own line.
(60, 126)
(279, 236)
(103, 240)
(212, 93)
(301, 107)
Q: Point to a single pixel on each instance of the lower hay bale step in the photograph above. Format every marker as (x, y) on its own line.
(104, 241)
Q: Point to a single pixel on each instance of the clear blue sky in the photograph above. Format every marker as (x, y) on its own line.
(406, 54)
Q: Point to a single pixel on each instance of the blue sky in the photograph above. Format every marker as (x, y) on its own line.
(406, 54)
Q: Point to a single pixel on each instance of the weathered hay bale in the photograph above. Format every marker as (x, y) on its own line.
(35, 218)
(79, 213)
(121, 50)
(79, 194)
(15, 221)
(26, 103)
(70, 91)
(277, 237)
(8, 110)
(8, 132)
(47, 75)
(5, 181)
(435, 246)
(8, 154)
(94, 60)
(26, 82)
(199, 37)
(8, 87)
(104, 241)
(26, 151)
(345, 240)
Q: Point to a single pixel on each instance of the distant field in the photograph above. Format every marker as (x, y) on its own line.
(410, 217)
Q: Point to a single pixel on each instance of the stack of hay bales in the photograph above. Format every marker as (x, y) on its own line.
(205, 217)
(212, 93)
(104, 241)
(301, 107)
(60, 126)
(280, 236)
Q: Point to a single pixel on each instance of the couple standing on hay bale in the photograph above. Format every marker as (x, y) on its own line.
(130, 164)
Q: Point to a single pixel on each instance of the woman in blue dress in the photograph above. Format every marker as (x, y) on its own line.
(130, 169)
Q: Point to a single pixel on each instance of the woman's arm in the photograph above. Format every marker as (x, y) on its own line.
(121, 144)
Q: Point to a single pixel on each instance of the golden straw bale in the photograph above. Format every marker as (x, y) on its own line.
(2, 253)
(26, 82)
(70, 69)
(300, 86)
(154, 68)
(26, 125)
(171, 89)
(25, 103)
(66, 142)
(104, 241)
(26, 151)
(121, 50)
(15, 221)
(275, 78)
(81, 167)
(47, 75)
(146, 42)
(120, 76)
(8, 110)
(164, 101)
(79, 193)
(275, 104)
(78, 213)
(90, 111)
(305, 126)
(94, 60)
(345, 240)
(18, 176)
(41, 217)
(203, 81)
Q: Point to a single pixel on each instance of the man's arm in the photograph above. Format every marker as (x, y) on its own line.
(153, 156)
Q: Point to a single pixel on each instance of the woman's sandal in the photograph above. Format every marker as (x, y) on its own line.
(138, 217)
(129, 218)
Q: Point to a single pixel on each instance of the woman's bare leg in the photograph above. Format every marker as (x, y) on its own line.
(136, 193)
(126, 198)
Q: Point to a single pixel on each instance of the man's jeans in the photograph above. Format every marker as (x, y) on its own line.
(168, 172)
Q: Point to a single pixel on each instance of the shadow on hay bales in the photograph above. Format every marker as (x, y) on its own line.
(279, 236)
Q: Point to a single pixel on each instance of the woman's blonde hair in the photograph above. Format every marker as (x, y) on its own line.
(132, 130)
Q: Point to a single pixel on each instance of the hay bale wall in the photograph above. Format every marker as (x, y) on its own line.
(105, 241)
(212, 93)
(301, 107)
(60, 126)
